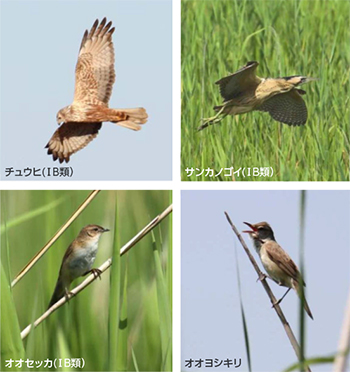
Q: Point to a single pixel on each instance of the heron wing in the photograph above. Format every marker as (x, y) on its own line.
(240, 81)
(288, 108)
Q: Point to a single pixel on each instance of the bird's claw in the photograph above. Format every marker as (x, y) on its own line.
(276, 303)
(262, 276)
(210, 121)
(96, 273)
(69, 295)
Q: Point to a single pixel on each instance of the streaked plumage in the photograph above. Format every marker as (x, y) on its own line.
(243, 92)
(94, 79)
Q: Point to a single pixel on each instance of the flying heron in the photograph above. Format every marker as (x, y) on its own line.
(243, 92)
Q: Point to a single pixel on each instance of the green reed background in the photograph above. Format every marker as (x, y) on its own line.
(288, 37)
(127, 328)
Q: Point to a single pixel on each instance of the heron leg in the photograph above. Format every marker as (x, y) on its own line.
(213, 120)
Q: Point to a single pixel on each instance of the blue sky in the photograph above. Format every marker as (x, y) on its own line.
(39, 47)
(211, 319)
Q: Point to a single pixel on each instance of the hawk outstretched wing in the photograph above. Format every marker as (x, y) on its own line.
(94, 72)
(70, 138)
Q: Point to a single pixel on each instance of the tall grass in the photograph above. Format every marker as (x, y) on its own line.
(288, 37)
(114, 324)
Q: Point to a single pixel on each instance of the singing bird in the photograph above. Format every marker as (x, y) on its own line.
(94, 79)
(244, 92)
(277, 263)
(78, 260)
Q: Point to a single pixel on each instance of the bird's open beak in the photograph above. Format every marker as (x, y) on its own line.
(253, 229)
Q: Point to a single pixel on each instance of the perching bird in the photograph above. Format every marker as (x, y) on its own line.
(244, 92)
(277, 263)
(94, 79)
(78, 260)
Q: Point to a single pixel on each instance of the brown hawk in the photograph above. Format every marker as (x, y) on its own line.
(94, 78)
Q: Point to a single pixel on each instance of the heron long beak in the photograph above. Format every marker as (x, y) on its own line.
(307, 79)
(253, 229)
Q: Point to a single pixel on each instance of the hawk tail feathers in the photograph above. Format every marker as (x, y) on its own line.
(134, 117)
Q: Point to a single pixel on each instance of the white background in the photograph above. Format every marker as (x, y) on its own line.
(176, 185)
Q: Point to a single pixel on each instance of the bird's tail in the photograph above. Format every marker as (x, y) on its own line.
(134, 117)
(302, 298)
(58, 293)
(307, 309)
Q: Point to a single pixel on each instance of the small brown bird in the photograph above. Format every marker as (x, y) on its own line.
(244, 92)
(277, 263)
(78, 260)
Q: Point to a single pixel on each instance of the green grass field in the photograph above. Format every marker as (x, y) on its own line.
(309, 38)
(119, 323)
